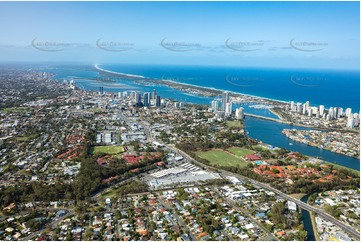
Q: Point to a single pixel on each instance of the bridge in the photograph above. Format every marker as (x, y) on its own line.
(266, 118)
(301, 204)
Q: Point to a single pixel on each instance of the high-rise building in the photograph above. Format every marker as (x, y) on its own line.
(228, 109)
(330, 113)
(125, 94)
(348, 112)
(292, 106)
(322, 110)
(287, 108)
(339, 112)
(146, 101)
(335, 112)
(239, 113)
(225, 100)
(132, 94)
(214, 105)
(101, 90)
(350, 123)
(138, 98)
(157, 101)
(154, 94)
(307, 105)
(181, 105)
(299, 107)
(310, 112)
(356, 118)
(304, 109)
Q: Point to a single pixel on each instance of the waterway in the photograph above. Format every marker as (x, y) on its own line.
(270, 132)
(307, 223)
(264, 130)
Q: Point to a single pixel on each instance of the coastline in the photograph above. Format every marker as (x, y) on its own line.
(207, 91)
(216, 90)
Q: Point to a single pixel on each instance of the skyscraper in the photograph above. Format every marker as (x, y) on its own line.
(138, 98)
(146, 100)
(239, 113)
(228, 109)
(292, 106)
(299, 107)
(214, 105)
(157, 102)
(350, 123)
(154, 94)
(322, 110)
(348, 112)
(225, 100)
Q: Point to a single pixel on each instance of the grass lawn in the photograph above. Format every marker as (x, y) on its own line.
(110, 150)
(336, 166)
(234, 124)
(15, 110)
(222, 158)
(240, 151)
(25, 138)
(298, 195)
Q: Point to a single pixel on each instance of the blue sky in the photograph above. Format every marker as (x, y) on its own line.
(267, 34)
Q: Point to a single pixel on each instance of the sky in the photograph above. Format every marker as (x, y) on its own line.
(320, 35)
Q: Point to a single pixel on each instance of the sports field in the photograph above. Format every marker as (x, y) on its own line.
(240, 151)
(222, 158)
(110, 150)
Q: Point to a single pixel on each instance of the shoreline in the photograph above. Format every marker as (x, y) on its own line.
(218, 92)
(237, 94)
(214, 90)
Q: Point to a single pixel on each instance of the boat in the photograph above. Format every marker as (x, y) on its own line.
(290, 144)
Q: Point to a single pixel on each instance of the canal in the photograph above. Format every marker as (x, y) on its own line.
(269, 132)
(307, 223)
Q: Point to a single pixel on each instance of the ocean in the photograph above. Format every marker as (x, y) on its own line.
(329, 88)
(321, 87)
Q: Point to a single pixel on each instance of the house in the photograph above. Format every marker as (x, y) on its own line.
(252, 157)
(60, 213)
(291, 206)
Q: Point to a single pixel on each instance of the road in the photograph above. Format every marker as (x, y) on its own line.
(180, 221)
(53, 224)
(301, 204)
(270, 236)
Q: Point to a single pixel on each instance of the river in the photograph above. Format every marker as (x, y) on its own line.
(270, 132)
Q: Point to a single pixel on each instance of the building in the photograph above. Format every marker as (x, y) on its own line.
(137, 99)
(146, 99)
(101, 90)
(348, 112)
(291, 206)
(330, 113)
(154, 94)
(350, 123)
(322, 110)
(158, 102)
(292, 106)
(299, 108)
(214, 105)
(225, 100)
(228, 109)
(239, 113)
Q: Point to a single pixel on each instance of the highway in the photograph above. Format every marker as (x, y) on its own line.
(301, 204)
